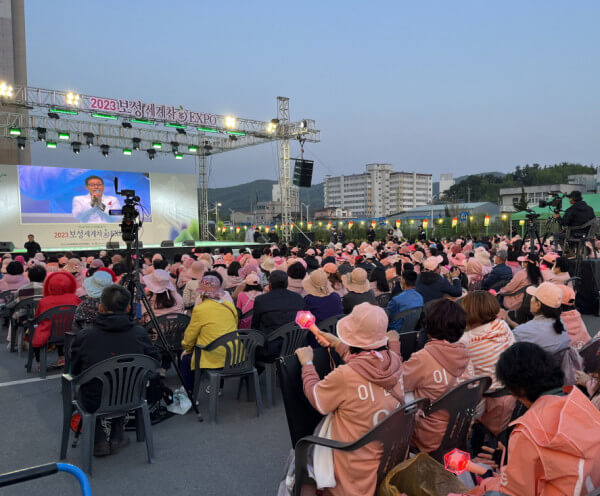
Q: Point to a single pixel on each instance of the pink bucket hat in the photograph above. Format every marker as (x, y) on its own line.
(459, 260)
(159, 281)
(418, 256)
(548, 293)
(364, 328)
(433, 263)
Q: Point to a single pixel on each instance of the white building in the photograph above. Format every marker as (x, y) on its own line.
(588, 181)
(446, 182)
(378, 192)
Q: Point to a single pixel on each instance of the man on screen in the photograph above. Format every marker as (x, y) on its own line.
(95, 206)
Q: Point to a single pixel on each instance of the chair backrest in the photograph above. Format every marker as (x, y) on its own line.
(408, 344)
(383, 299)
(123, 379)
(293, 337)
(240, 347)
(591, 225)
(591, 356)
(411, 318)
(61, 318)
(460, 403)
(28, 306)
(173, 326)
(330, 325)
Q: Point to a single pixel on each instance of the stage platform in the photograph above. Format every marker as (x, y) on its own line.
(167, 252)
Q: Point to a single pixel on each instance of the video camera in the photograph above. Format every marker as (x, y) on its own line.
(554, 202)
(129, 223)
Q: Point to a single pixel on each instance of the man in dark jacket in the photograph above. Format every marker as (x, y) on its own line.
(577, 214)
(273, 309)
(32, 246)
(432, 285)
(500, 274)
(113, 333)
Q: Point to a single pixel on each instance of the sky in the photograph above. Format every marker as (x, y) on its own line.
(431, 87)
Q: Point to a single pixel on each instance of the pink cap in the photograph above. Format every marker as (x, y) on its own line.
(568, 295)
(548, 293)
(364, 328)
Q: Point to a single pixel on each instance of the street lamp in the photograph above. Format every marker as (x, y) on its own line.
(217, 205)
(304, 205)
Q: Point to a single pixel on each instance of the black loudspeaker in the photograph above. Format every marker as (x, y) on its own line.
(303, 170)
(300, 240)
(140, 244)
(7, 246)
(587, 300)
(112, 245)
(189, 242)
(167, 243)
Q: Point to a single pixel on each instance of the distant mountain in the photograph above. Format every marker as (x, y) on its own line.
(243, 197)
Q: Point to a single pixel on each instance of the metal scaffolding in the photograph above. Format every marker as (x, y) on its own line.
(84, 120)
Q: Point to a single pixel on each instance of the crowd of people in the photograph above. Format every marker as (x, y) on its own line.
(490, 307)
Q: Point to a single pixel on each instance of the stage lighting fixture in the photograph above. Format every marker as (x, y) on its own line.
(151, 153)
(51, 144)
(126, 151)
(181, 131)
(207, 130)
(272, 126)
(21, 140)
(303, 124)
(6, 90)
(142, 121)
(63, 136)
(14, 131)
(72, 99)
(104, 116)
(41, 133)
(192, 149)
(230, 122)
(126, 125)
(174, 146)
(232, 137)
(136, 143)
(157, 146)
(104, 149)
(178, 156)
(53, 115)
(89, 139)
(63, 111)
(76, 145)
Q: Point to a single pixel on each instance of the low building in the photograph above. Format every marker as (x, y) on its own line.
(444, 210)
(533, 194)
(332, 213)
(588, 181)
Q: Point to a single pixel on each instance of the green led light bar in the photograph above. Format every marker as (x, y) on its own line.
(105, 116)
(236, 133)
(126, 151)
(61, 111)
(14, 131)
(178, 156)
(50, 144)
(157, 146)
(208, 130)
(192, 149)
(63, 136)
(141, 121)
(178, 126)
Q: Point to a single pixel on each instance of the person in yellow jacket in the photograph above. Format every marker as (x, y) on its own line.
(211, 319)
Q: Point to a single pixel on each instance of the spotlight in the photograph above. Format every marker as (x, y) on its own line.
(51, 144)
(230, 122)
(174, 146)
(76, 146)
(72, 99)
(63, 136)
(89, 139)
(207, 147)
(232, 137)
(181, 131)
(126, 125)
(303, 124)
(21, 142)
(156, 145)
(192, 149)
(14, 131)
(41, 133)
(272, 126)
(136, 143)
(104, 149)
(151, 153)
(53, 115)
(178, 156)
(6, 90)
(127, 152)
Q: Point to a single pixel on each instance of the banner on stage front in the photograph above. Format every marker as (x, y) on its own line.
(86, 196)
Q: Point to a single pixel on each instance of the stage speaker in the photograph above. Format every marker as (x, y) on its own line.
(303, 170)
(189, 242)
(140, 244)
(7, 246)
(112, 245)
(587, 300)
(300, 240)
(167, 243)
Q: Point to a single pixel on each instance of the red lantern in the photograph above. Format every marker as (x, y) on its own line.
(425, 223)
(398, 224)
(237, 229)
(486, 221)
(309, 226)
(373, 224)
(350, 224)
(454, 221)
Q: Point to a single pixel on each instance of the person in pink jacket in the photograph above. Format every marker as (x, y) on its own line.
(358, 394)
(554, 449)
(441, 365)
(531, 275)
(578, 333)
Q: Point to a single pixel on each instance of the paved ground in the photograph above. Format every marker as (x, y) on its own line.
(242, 454)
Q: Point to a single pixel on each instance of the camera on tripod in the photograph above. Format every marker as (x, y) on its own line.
(130, 213)
(554, 202)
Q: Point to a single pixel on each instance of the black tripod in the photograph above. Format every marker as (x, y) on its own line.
(532, 233)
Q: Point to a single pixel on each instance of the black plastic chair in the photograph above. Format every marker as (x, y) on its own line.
(240, 349)
(411, 319)
(330, 325)
(393, 432)
(383, 299)
(591, 356)
(173, 326)
(61, 318)
(27, 308)
(293, 337)
(123, 381)
(5, 298)
(460, 404)
(576, 243)
(409, 343)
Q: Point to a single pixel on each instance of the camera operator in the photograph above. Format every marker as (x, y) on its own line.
(577, 214)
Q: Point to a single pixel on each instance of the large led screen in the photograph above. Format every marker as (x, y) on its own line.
(60, 195)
